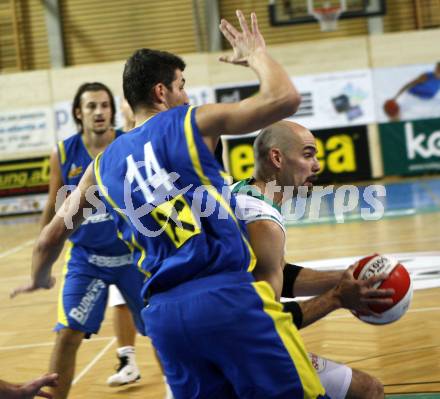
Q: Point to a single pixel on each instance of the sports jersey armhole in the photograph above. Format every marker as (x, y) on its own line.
(96, 173)
(61, 152)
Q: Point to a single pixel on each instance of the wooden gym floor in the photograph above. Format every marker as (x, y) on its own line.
(404, 356)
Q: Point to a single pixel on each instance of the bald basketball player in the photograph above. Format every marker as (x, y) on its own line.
(285, 154)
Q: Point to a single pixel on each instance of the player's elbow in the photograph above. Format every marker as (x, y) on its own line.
(49, 239)
(287, 104)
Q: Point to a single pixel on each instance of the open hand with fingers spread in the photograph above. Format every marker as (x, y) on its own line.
(245, 43)
(30, 389)
(357, 295)
(43, 283)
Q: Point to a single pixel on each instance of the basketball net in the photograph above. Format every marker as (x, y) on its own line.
(327, 12)
(327, 17)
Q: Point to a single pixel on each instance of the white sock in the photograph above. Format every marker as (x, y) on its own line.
(128, 351)
(168, 392)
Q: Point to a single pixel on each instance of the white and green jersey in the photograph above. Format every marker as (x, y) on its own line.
(253, 206)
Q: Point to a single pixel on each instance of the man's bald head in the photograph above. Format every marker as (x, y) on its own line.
(283, 135)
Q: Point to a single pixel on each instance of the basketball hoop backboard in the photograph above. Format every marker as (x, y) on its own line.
(290, 12)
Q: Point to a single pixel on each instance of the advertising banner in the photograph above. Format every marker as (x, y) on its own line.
(27, 176)
(328, 100)
(22, 204)
(410, 148)
(343, 154)
(415, 88)
(26, 130)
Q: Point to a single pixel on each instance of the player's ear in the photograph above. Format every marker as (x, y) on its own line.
(159, 92)
(275, 156)
(78, 113)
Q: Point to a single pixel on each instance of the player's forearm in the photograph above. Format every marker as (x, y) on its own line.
(410, 85)
(318, 307)
(47, 215)
(8, 390)
(276, 88)
(45, 253)
(311, 282)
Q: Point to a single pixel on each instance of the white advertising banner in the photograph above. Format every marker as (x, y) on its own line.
(22, 204)
(328, 100)
(26, 130)
(335, 99)
(200, 95)
(420, 92)
(65, 125)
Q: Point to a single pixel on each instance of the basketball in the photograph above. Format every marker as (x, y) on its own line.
(398, 278)
(391, 108)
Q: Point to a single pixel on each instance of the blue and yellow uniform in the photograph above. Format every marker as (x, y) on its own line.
(218, 333)
(427, 89)
(95, 259)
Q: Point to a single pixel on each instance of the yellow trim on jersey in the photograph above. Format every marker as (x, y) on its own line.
(117, 209)
(194, 155)
(62, 318)
(62, 152)
(142, 257)
(87, 148)
(291, 339)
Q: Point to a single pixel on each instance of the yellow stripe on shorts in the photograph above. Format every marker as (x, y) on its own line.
(62, 318)
(291, 339)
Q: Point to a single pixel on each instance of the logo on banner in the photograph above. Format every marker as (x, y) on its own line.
(28, 176)
(418, 144)
(237, 93)
(336, 153)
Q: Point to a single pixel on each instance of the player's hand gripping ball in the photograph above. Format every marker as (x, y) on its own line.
(398, 278)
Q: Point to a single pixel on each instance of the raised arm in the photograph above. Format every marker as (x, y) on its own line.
(53, 236)
(276, 99)
(422, 78)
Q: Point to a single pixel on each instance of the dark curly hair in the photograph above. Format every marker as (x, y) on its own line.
(94, 86)
(146, 68)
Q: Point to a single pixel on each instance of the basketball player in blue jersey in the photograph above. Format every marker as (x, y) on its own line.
(96, 257)
(218, 333)
(425, 87)
(285, 154)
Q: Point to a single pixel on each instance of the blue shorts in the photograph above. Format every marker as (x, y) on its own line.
(84, 291)
(225, 336)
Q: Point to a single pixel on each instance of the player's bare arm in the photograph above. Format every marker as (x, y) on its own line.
(277, 98)
(55, 183)
(310, 282)
(267, 241)
(51, 240)
(422, 78)
(30, 389)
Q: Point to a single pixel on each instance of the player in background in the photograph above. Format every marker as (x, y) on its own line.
(95, 257)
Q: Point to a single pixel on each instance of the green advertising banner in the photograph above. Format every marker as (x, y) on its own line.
(410, 148)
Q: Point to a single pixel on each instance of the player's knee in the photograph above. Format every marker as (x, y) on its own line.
(364, 386)
(376, 389)
(69, 339)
